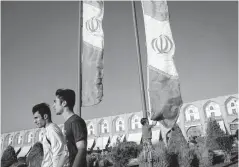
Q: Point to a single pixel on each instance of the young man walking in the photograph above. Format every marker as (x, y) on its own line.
(75, 129)
(54, 145)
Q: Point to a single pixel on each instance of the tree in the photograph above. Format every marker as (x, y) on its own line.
(160, 156)
(178, 147)
(123, 152)
(236, 134)
(35, 155)
(9, 157)
(177, 141)
(225, 144)
(19, 164)
(213, 131)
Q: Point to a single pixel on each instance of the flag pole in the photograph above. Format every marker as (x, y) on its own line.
(141, 79)
(148, 156)
(80, 39)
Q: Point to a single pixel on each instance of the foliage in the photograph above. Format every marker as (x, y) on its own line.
(177, 154)
(200, 143)
(97, 160)
(160, 156)
(236, 134)
(178, 147)
(206, 159)
(225, 144)
(19, 164)
(22, 159)
(123, 152)
(212, 133)
(91, 160)
(177, 142)
(104, 162)
(195, 159)
(9, 157)
(35, 155)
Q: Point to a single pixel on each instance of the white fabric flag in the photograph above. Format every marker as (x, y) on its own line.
(93, 47)
(163, 82)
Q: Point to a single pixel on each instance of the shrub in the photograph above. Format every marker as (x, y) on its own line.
(213, 131)
(9, 157)
(19, 164)
(89, 160)
(236, 134)
(206, 159)
(177, 154)
(93, 160)
(22, 159)
(123, 152)
(195, 159)
(172, 159)
(35, 155)
(177, 142)
(105, 163)
(178, 147)
(225, 144)
(200, 143)
(160, 156)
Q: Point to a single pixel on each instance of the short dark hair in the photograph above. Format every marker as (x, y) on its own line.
(67, 95)
(43, 109)
(143, 121)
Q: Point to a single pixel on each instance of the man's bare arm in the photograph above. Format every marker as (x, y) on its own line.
(80, 158)
(153, 124)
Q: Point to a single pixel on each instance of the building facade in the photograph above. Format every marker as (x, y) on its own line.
(106, 131)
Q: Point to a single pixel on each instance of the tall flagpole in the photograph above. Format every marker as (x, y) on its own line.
(80, 39)
(141, 79)
(148, 156)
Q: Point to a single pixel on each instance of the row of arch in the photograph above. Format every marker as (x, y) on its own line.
(31, 136)
(211, 109)
(118, 124)
(19, 138)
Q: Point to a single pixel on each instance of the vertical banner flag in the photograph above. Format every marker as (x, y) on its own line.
(92, 57)
(163, 81)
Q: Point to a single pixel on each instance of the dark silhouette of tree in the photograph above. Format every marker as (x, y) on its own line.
(9, 157)
(35, 156)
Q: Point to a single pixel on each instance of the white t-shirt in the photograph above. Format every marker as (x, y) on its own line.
(54, 145)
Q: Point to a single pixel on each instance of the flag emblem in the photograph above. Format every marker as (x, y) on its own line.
(93, 24)
(162, 44)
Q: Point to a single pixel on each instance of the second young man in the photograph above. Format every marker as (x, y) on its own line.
(74, 127)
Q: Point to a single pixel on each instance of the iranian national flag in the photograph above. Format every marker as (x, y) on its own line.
(163, 81)
(93, 47)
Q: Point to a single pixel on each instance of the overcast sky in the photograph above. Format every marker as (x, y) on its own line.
(39, 55)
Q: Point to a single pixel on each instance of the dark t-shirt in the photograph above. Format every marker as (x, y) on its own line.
(75, 130)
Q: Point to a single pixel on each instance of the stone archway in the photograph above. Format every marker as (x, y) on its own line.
(234, 126)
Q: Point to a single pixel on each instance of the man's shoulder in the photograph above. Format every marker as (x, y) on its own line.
(54, 128)
(76, 119)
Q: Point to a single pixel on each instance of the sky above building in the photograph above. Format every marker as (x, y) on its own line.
(39, 55)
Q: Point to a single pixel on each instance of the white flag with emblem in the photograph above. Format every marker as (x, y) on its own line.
(92, 58)
(163, 82)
